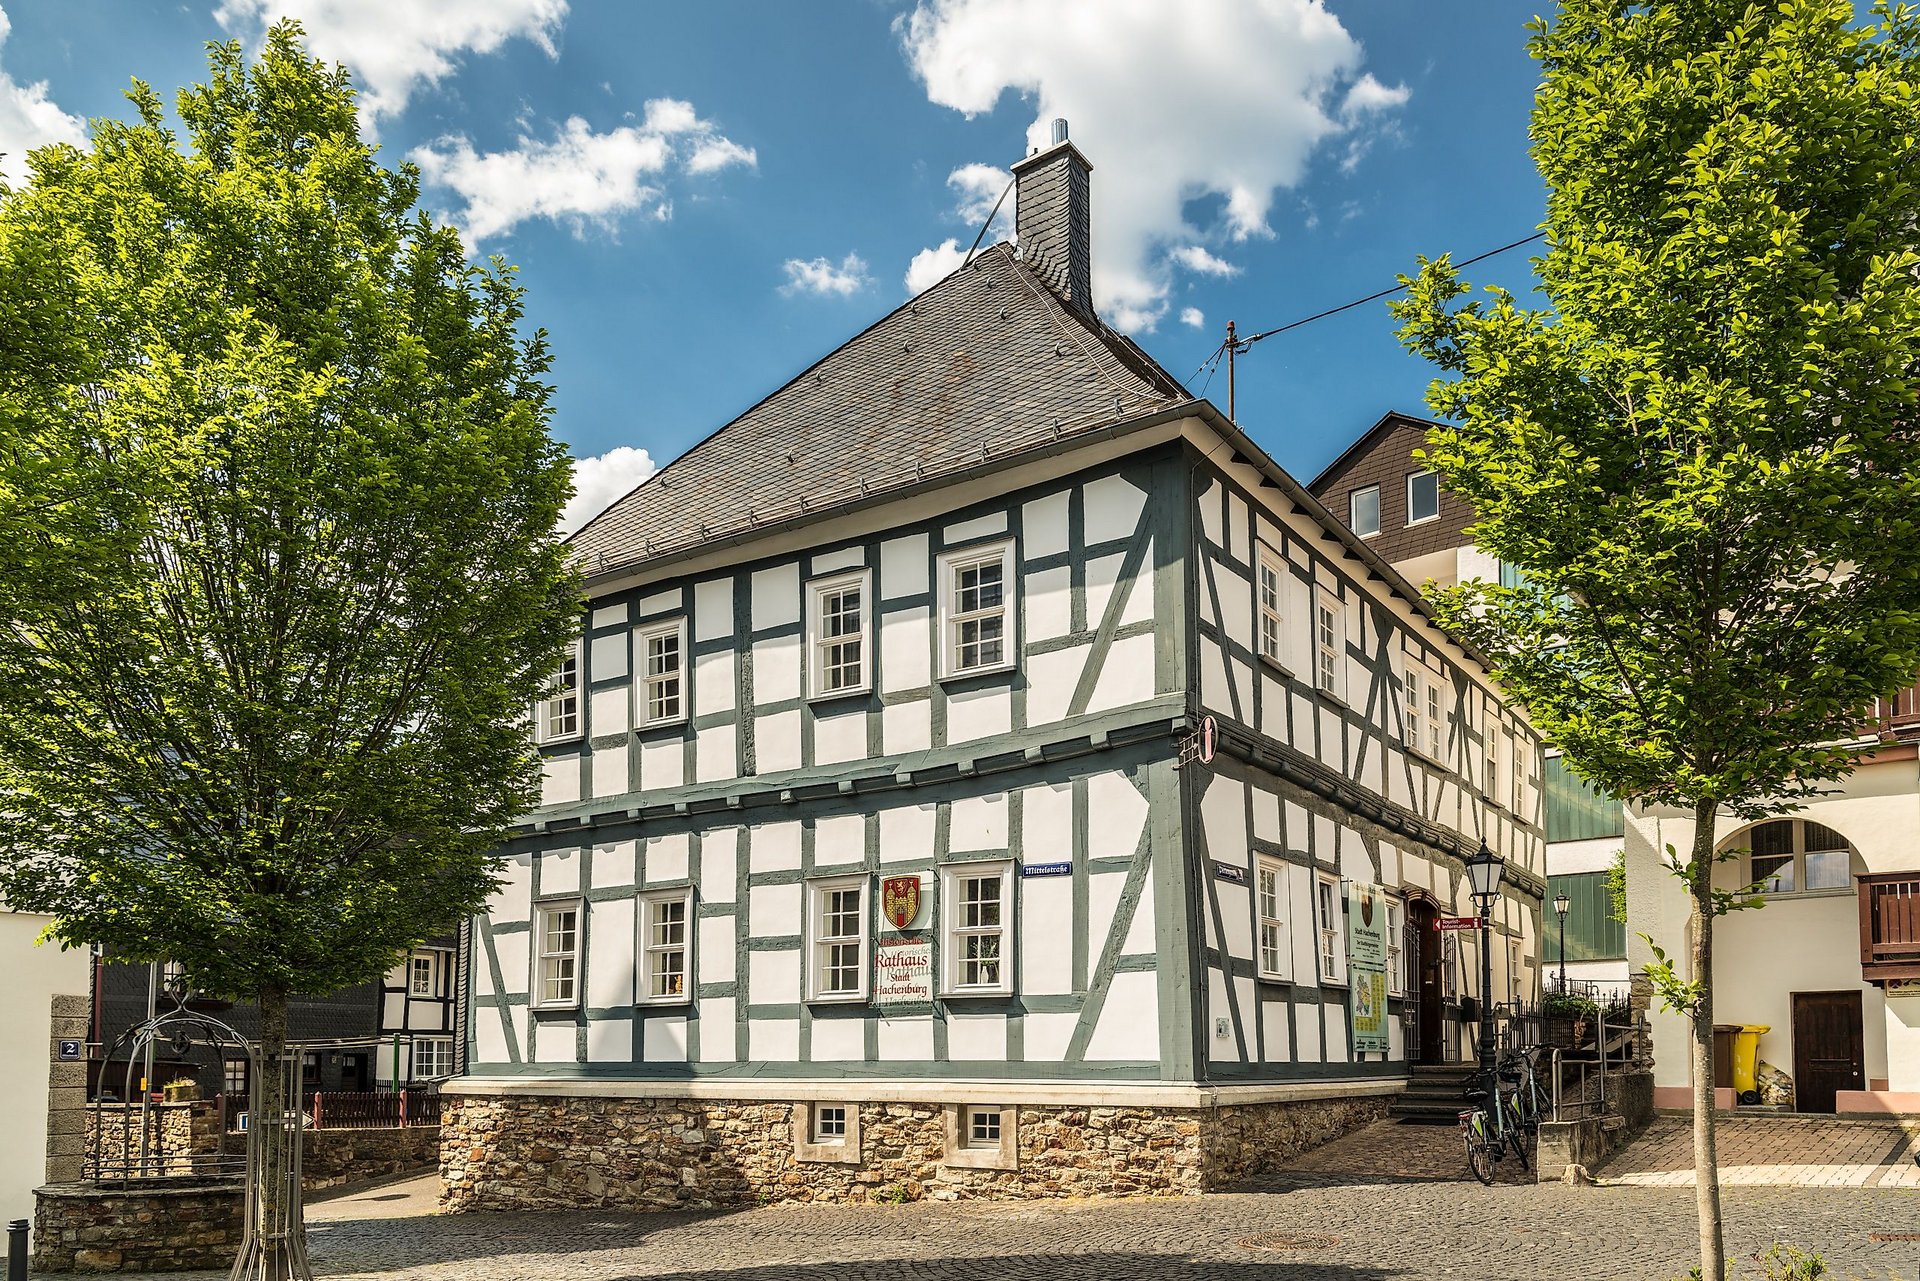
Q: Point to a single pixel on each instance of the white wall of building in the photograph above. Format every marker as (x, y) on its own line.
(34, 975)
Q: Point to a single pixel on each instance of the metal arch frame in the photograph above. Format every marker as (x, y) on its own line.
(274, 1238)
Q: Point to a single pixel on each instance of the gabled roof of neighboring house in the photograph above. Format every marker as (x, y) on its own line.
(1389, 420)
(987, 363)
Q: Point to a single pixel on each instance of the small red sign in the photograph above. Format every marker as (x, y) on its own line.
(1457, 923)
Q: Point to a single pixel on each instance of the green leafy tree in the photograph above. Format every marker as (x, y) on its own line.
(278, 501)
(1701, 452)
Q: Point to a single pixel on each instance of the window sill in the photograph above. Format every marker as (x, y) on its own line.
(555, 1007)
(1273, 980)
(835, 695)
(975, 673)
(1276, 665)
(838, 998)
(976, 994)
(1328, 696)
(565, 740)
(1424, 520)
(1774, 896)
(671, 722)
(663, 1002)
(1423, 754)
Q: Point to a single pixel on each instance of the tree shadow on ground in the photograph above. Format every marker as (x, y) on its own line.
(1102, 1266)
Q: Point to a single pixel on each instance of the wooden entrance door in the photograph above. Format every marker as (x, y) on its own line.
(1423, 944)
(1829, 1048)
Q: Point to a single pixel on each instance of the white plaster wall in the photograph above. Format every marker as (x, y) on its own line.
(34, 976)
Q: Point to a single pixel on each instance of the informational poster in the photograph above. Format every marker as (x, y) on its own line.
(1367, 967)
(903, 972)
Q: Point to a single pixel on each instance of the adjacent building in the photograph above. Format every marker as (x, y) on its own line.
(1396, 502)
(37, 974)
(983, 772)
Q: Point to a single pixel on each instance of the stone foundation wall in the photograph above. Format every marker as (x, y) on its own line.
(82, 1228)
(335, 1158)
(174, 1137)
(503, 1152)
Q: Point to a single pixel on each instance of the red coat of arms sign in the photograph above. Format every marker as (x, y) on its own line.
(900, 900)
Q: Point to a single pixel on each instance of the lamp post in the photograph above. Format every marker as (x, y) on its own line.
(1484, 870)
(1560, 904)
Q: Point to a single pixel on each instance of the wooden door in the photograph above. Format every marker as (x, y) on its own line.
(1423, 944)
(1829, 1048)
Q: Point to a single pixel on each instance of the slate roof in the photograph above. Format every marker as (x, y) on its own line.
(988, 362)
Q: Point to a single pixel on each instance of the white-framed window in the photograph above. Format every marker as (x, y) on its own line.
(837, 919)
(1493, 737)
(1796, 855)
(1273, 951)
(1363, 511)
(983, 1127)
(1450, 965)
(1516, 988)
(978, 901)
(1423, 496)
(661, 654)
(1331, 920)
(423, 973)
(829, 1123)
(826, 1131)
(1269, 595)
(666, 947)
(1329, 645)
(1517, 756)
(556, 954)
(839, 652)
(432, 1058)
(1396, 948)
(557, 717)
(976, 610)
(1424, 714)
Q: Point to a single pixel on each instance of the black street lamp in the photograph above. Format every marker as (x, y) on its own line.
(1484, 870)
(1560, 904)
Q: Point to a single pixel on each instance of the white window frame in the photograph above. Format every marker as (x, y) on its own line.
(442, 1056)
(1329, 654)
(1417, 475)
(1495, 735)
(1269, 618)
(1517, 763)
(1796, 859)
(1281, 970)
(1330, 936)
(818, 642)
(1450, 965)
(820, 943)
(1377, 510)
(567, 686)
(542, 955)
(963, 1152)
(414, 961)
(644, 678)
(1424, 710)
(954, 934)
(951, 619)
(1515, 967)
(1396, 947)
(651, 954)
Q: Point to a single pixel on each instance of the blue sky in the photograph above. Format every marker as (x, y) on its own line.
(703, 198)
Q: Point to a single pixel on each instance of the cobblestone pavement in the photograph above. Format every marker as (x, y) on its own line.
(1390, 1151)
(1785, 1151)
(1315, 1223)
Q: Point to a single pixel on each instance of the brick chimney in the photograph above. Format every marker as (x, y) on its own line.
(1052, 200)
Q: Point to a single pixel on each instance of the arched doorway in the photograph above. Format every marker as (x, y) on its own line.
(1422, 943)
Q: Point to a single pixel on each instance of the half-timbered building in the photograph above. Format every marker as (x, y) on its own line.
(885, 850)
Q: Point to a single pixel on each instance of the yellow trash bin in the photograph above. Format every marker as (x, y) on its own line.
(1746, 1057)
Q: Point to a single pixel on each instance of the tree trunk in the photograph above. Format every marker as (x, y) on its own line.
(274, 1156)
(1706, 1164)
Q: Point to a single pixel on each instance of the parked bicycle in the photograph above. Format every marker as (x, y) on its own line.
(1493, 1126)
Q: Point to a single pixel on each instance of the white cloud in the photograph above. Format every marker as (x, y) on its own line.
(394, 48)
(819, 276)
(579, 177)
(1229, 99)
(1193, 317)
(930, 266)
(600, 482)
(976, 187)
(718, 153)
(1196, 259)
(29, 118)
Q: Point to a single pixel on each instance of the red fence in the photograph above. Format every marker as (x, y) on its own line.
(373, 1109)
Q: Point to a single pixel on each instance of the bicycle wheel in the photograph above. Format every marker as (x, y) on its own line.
(1479, 1158)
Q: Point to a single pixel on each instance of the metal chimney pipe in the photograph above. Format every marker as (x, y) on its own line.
(1059, 130)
